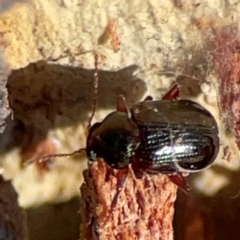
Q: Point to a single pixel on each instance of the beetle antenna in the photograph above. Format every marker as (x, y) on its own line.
(95, 92)
(94, 106)
(52, 156)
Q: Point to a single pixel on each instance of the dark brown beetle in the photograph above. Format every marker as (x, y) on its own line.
(170, 137)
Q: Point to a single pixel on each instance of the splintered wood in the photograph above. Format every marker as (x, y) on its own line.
(144, 208)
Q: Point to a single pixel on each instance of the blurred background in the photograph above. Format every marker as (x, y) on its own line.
(46, 83)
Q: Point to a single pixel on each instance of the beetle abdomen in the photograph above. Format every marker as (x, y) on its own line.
(176, 136)
(168, 150)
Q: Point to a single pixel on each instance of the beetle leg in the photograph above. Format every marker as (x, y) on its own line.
(121, 179)
(180, 181)
(121, 104)
(173, 93)
(136, 168)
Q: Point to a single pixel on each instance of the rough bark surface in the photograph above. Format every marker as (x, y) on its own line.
(144, 209)
(4, 108)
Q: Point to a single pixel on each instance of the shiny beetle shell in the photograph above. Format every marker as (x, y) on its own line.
(176, 136)
(164, 136)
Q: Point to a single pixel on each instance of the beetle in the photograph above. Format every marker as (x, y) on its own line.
(170, 136)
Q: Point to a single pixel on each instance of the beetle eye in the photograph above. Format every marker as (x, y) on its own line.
(93, 156)
(92, 143)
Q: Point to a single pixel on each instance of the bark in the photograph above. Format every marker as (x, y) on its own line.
(144, 209)
(4, 107)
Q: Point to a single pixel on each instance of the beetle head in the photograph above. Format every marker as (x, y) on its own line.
(114, 140)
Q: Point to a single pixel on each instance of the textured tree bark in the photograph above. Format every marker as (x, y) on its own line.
(4, 107)
(144, 209)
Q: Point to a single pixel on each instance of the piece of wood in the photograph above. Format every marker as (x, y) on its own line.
(144, 209)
